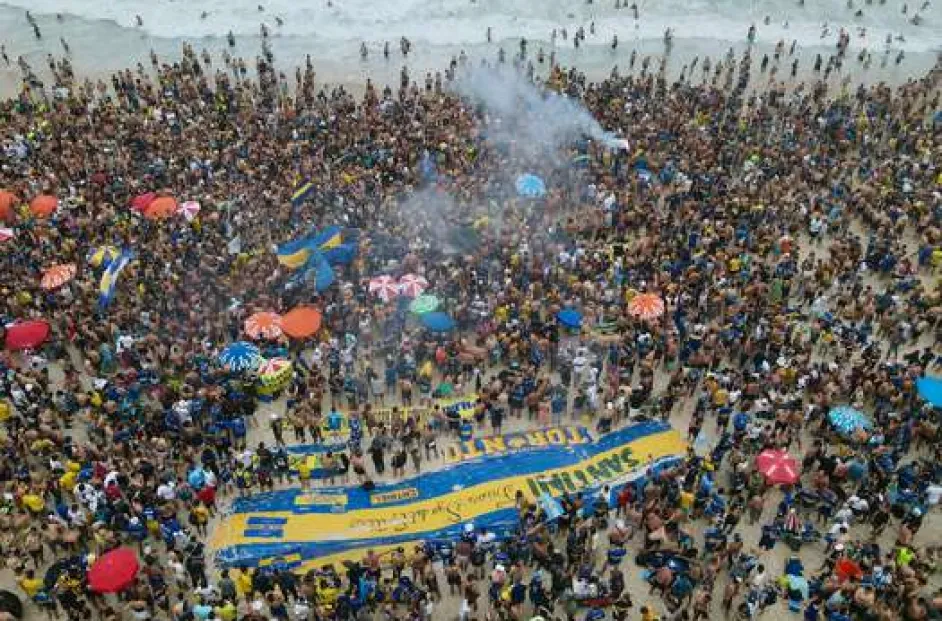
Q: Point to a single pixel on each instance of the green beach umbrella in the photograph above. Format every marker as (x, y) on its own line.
(423, 304)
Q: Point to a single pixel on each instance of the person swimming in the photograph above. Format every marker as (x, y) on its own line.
(204, 15)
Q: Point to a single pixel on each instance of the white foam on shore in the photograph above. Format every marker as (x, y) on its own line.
(103, 38)
(463, 22)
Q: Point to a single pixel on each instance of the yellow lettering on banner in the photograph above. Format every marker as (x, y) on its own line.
(578, 435)
(555, 436)
(452, 454)
(303, 500)
(494, 445)
(462, 505)
(396, 495)
(470, 450)
(536, 438)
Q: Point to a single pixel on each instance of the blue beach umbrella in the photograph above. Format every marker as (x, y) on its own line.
(241, 356)
(437, 321)
(846, 420)
(930, 389)
(569, 318)
(530, 186)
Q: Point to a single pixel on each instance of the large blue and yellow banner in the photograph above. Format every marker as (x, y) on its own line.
(338, 523)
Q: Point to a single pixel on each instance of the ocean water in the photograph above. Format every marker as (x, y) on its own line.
(103, 36)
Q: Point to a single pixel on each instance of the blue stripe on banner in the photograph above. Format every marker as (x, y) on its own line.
(261, 520)
(440, 482)
(273, 533)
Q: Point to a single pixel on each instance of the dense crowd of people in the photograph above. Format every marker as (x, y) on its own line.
(793, 234)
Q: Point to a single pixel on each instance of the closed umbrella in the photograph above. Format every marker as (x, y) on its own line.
(412, 285)
(265, 325)
(646, 306)
(114, 571)
(26, 334)
(241, 356)
(569, 318)
(301, 322)
(425, 303)
(847, 420)
(778, 467)
(437, 321)
(57, 275)
(43, 205)
(162, 207)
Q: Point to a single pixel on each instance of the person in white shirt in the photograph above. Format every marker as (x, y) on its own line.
(167, 491)
(760, 578)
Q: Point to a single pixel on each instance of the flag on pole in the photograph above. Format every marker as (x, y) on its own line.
(109, 279)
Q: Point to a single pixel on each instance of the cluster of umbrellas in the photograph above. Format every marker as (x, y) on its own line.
(150, 205)
(155, 207)
(299, 323)
(42, 206)
(645, 306)
(387, 288)
(425, 307)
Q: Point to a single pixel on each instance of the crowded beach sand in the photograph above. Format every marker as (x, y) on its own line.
(748, 255)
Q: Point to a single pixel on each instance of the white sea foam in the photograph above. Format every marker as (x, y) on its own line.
(103, 35)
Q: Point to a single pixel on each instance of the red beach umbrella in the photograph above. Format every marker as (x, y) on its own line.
(114, 571)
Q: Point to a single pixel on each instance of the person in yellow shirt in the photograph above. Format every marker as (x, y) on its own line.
(686, 502)
(227, 611)
(34, 503)
(244, 583)
(31, 584)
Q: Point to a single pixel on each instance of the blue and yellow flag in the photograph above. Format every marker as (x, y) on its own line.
(301, 193)
(294, 254)
(330, 237)
(109, 277)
